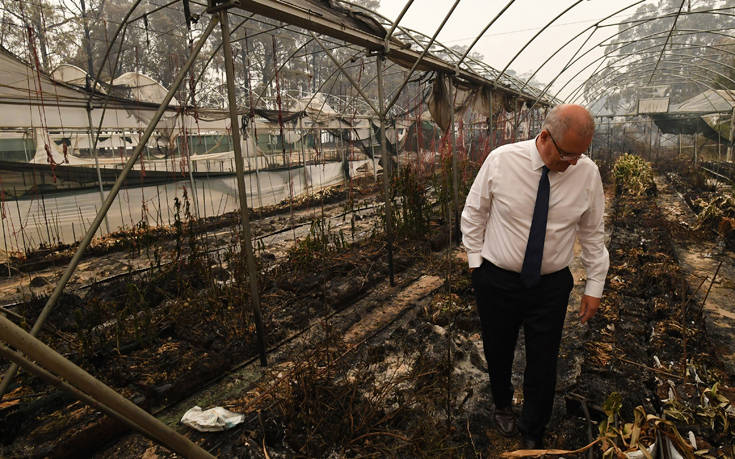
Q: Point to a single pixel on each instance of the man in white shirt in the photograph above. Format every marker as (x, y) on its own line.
(529, 202)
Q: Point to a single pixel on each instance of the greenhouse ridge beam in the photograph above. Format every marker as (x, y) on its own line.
(313, 21)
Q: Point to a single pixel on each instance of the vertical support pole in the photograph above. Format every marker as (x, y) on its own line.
(245, 243)
(372, 150)
(109, 199)
(694, 139)
(454, 214)
(25, 151)
(395, 138)
(731, 140)
(491, 127)
(679, 143)
(255, 155)
(650, 139)
(190, 164)
(302, 136)
(387, 171)
(93, 148)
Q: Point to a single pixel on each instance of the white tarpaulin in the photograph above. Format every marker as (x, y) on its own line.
(141, 87)
(709, 101)
(653, 105)
(42, 155)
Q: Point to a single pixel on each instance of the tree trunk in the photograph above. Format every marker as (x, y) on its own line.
(41, 34)
(87, 43)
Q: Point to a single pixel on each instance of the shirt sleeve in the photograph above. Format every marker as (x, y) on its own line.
(477, 211)
(591, 234)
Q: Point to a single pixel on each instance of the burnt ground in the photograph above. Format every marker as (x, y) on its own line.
(449, 414)
(36, 274)
(391, 371)
(700, 254)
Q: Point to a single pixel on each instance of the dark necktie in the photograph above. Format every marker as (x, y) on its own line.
(531, 271)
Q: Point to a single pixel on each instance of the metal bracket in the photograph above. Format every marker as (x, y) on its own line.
(215, 6)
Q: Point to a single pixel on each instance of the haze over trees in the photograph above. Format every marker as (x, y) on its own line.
(696, 40)
(157, 43)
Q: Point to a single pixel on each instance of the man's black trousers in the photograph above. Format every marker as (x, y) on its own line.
(504, 305)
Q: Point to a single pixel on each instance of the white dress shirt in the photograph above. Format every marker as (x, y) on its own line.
(496, 219)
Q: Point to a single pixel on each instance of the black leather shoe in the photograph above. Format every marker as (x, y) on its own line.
(505, 421)
(532, 443)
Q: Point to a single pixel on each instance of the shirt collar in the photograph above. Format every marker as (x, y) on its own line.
(536, 161)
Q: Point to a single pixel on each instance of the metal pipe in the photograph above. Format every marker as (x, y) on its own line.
(96, 164)
(682, 33)
(489, 24)
(672, 54)
(593, 27)
(728, 155)
(246, 246)
(669, 74)
(421, 57)
(387, 172)
(599, 59)
(640, 63)
(27, 365)
(110, 198)
(396, 22)
(300, 17)
(154, 10)
(607, 53)
(453, 225)
(96, 389)
(344, 72)
(534, 37)
(668, 37)
(627, 77)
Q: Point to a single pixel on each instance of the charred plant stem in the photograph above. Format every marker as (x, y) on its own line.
(706, 295)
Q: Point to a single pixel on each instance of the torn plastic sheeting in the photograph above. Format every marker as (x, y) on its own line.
(212, 420)
(474, 98)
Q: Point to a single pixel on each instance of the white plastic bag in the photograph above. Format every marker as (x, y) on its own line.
(212, 420)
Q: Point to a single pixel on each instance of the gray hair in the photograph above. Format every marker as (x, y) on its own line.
(559, 123)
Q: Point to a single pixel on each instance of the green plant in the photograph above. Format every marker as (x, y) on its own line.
(633, 175)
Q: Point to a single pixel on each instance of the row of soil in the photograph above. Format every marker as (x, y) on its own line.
(416, 388)
(647, 351)
(158, 338)
(163, 334)
(419, 388)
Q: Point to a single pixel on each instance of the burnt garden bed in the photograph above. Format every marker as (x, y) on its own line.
(160, 336)
(415, 389)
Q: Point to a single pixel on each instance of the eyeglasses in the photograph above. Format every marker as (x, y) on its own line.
(565, 155)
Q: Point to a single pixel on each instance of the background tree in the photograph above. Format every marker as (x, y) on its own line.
(687, 57)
